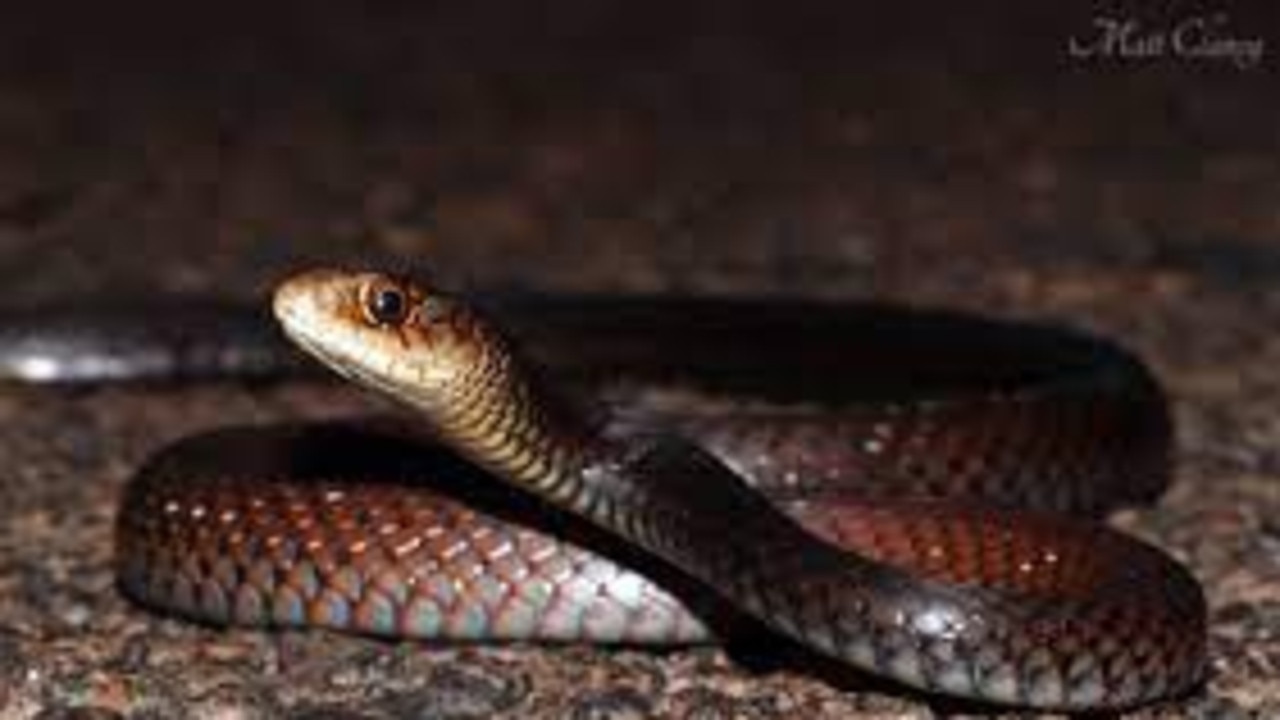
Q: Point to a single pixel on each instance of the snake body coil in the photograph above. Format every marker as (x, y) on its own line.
(890, 496)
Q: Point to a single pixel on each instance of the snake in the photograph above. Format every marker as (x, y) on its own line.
(906, 494)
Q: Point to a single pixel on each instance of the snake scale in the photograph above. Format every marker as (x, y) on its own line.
(912, 494)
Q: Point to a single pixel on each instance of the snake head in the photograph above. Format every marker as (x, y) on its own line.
(432, 352)
(387, 332)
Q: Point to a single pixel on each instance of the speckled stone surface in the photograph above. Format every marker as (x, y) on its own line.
(970, 162)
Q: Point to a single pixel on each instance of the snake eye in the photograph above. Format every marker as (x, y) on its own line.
(385, 303)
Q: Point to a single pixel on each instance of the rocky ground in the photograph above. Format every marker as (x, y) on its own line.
(973, 162)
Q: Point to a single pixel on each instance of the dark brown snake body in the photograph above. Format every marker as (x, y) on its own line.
(890, 488)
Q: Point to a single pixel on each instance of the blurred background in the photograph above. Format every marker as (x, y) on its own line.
(1116, 166)
(826, 148)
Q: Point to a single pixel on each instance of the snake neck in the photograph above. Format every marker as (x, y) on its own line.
(498, 413)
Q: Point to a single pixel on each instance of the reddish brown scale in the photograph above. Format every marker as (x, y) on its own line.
(950, 595)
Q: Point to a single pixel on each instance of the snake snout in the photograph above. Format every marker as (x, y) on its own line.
(316, 308)
(305, 297)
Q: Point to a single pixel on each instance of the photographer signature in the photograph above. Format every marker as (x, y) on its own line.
(1197, 37)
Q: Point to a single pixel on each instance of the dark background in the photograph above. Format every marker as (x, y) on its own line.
(904, 151)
